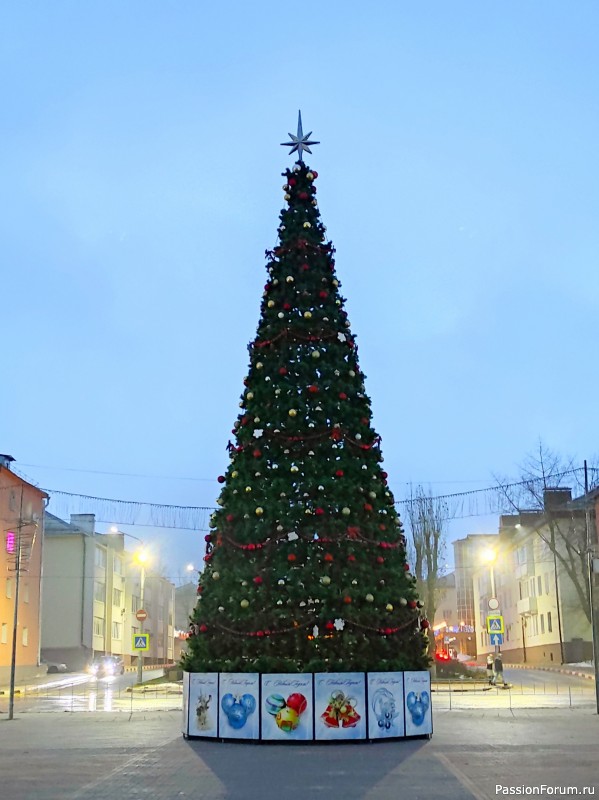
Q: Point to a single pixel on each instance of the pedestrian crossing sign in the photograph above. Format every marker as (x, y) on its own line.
(495, 624)
(141, 641)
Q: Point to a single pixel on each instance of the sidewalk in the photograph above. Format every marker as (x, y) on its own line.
(108, 756)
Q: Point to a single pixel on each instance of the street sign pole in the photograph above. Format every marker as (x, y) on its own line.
(141, 624)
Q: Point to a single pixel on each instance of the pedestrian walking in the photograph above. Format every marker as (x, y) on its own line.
(498, 669)
(490, 663)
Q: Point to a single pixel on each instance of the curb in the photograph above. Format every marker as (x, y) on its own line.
(576, 673)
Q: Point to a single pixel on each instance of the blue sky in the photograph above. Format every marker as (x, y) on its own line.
(140, 185)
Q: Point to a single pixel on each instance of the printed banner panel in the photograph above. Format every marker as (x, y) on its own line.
(203, 704)
(239, 714)
(418, 711)
(287, 707)
(339, 705)
(385, 704)
(185, 719)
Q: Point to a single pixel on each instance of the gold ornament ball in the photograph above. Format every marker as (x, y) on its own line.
(346, 511)
(289, 279)
(307, 225)
(335, 282)
(287, 197)
(271, 304)
(215, 576)
(316, 354)
(370, 598)
(259, 365)
(249, 396)
(307, 314)
(310, 176)
(234, 474)
(292, 412)
(325, 580)
(244, 603)
(248, 488)
(389, 607)
(259, 511)
(294, 469)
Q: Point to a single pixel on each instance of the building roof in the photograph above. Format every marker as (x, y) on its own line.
(54, 526)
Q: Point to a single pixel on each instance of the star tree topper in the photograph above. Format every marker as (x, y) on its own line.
(300, 142)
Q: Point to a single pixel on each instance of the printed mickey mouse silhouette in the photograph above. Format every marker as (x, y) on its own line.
(418, 704)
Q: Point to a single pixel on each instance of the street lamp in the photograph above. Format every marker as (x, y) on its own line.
(141, 557)
(489, 556)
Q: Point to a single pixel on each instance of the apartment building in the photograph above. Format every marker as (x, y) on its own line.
(91, 592)
(21, 526)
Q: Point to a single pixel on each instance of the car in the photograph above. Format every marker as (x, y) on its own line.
(53, 667)
(104, 666)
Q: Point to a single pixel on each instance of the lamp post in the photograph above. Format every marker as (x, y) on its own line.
(141, 557)
(489, 555)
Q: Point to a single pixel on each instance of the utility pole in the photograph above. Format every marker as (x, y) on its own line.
(142, 580)
(591, 561)
(13, 657)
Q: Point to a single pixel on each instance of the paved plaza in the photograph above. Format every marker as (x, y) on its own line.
(64, 756)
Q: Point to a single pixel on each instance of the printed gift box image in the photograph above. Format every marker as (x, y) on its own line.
(385, 704)
(418, 712)
(239, 717)
(339, 705)
(287, 707)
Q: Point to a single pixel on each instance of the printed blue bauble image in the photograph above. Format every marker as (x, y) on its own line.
(383, 705)
(418, 704)
(237, 709)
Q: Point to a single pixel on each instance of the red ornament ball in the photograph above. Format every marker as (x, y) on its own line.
(351, 558)
(323, 294)
(347, 599)
(424, 624)
(339, 473)
(260, 633)
(328, 557)
(330, 626)
(367, 507)
(303, 195)
(203, 628)
(297, 702)
(313, 389)
(221, 479)
(282, 370)
(291, 181)
(382, 527)
(291, 557)
(305, 267)
(411, 603)
(287, 306)
(258, 580)
(380, 560)
(406, 566)
(342, 396)
(257, 453)
(319, 511)
(230, 517)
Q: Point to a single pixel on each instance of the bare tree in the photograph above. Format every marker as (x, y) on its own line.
(427, 517)
(562, 528)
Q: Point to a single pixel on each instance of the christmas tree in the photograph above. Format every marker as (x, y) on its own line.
(305, 565)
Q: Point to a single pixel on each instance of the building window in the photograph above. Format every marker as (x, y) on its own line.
(9, 587)
(118, 565)
(534, 625)
(25, 637)
(549, 626)
(546, 583)
(116, 630)
(4, 634)
(98, 626)
(135, 603)
(99, 591)
(117, 597)
(539, 586)
(542, 623)
(100, 557)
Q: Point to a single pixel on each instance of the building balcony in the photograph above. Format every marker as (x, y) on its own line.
(527, 606)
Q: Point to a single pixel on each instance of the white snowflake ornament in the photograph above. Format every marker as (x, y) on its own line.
(339, 624)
